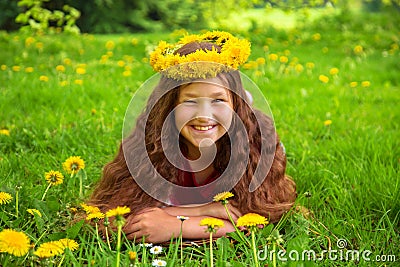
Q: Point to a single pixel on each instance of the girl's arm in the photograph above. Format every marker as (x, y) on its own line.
(216, 210)
(156, 226)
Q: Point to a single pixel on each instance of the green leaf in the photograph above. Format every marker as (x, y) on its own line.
(4, 217)
(39, 222)
(73, 231)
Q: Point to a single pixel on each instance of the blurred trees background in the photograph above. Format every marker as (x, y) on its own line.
(117, 16)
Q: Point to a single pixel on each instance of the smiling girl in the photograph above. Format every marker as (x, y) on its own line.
(197, 136)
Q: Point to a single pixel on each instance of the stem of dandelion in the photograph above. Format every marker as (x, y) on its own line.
(118, 244)
(45, 192)
(81, 185)
(274, 255)
(180, 239)
(253, 244)
(62, 259)
(107, 237)
(97, 236)
(234, 224)
(16, 202)
(211, 250)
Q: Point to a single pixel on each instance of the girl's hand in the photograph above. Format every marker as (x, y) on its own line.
(154, 224)
(217, 210)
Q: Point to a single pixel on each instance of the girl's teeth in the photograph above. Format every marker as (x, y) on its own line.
(203, 128)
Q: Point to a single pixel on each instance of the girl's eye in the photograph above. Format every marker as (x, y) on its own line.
(189, 101)
(218, 100)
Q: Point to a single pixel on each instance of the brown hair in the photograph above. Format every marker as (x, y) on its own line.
(272, 198)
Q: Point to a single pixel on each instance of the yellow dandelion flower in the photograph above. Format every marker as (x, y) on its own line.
(333, 71)
(92, 212)
(310, 65)
(222, 196)
(43, 78)
(110, 53)
(14, 242)
(74, 164)
(323, 78)
(327, 122)
(29, 69)
(353, 84)
(63, 83)
(273, 57)
(269, 41)
(366, 84)
(121, 63)
(134, 41)
(54, 177)
(16, 68)
(127, 73)
(68, 243)
(110, 45)
(358, 50)
(189, 39)
(97, 215)
(260, 61)
(316, 36)
(78, 82)
(67, 61)
(132, 255)
(49, 249)
(29, 41)
(118, 211)
(283, 59)
(89, 209)
(5, 198)
(80, 70)
(128, 58)
(3, 67)
(34, 211)
(4, 132)
(73, 210)
(103, 59)
(212, 222)
(39, 45)
(299, 68)
(251, 220)
(60, 68)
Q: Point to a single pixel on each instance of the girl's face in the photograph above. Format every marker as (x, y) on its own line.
(204, 111)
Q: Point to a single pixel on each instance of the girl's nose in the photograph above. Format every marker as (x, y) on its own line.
(204, 111)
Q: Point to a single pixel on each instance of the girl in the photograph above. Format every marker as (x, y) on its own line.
(200, 110)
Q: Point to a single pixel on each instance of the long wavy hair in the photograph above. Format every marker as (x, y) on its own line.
(272, 198)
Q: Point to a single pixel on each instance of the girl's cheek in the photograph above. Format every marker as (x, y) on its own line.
(183, 115)
(223, 115)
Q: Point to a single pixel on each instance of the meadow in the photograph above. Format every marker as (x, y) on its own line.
(333, 87)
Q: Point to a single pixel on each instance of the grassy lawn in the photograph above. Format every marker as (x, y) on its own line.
(334, 91)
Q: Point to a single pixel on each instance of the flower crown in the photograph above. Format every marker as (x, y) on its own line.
(201, 63)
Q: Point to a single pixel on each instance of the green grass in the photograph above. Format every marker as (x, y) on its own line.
(347, 173)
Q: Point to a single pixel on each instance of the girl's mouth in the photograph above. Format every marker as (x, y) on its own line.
(203, 128)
